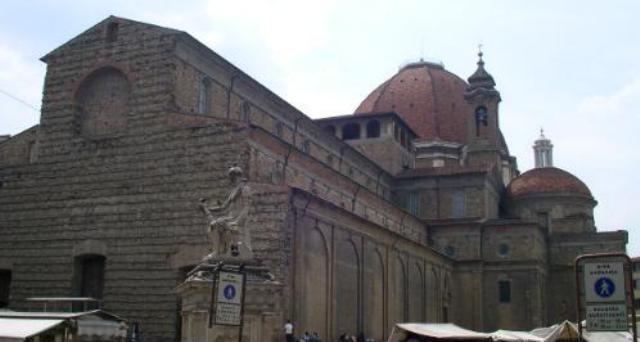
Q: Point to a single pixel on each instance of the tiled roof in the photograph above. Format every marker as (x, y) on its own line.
(428, 97)
(547, 180)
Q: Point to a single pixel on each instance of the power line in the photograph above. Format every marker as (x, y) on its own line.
(15, 98)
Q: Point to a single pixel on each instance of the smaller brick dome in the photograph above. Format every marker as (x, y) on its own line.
(546, 180)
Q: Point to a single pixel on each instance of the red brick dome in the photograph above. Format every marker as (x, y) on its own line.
(545, 180)
(428, 98)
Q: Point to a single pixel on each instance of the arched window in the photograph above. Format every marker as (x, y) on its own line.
(88, 276)
(103, 102)
(351, 131)
(331, 129)
(204, 96)
(373, 129)
(246, 111)
(481, 118)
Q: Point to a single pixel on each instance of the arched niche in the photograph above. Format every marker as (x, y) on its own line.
(399, 291)
(373, 128)
(373, 296)
(315, 266)
(346, 287)
(103, 102)
(416, 293)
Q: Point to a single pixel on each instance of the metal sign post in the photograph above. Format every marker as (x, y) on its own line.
(606, 286)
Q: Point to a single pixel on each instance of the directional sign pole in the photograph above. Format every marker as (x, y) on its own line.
(601, 297)
(244, 289)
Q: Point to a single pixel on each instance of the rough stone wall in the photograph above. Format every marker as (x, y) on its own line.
(20, 149)
(524, 309)
(141, 52)
(352, 275)
(436, 196)
(386, 152)
(563, 249)
(567, 214)
(237, 96)
(274, 161)
(135, 202)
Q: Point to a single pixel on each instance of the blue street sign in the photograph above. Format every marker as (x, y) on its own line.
(229, 292)
(604, 287)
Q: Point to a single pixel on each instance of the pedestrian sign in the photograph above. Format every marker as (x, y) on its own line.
(229, 298)
(604, 282)
(604, 300)
(604, 287)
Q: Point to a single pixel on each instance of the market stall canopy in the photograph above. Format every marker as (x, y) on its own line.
(17, 329)
(565, 330)
(515, 336)
(440, 331)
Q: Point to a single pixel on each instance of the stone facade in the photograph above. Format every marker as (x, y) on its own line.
(139, 122)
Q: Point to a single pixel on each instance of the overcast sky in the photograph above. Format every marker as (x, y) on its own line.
(572, 67)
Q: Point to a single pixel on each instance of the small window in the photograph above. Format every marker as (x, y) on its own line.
(330, 129)
(457, 204)
(503, 250)
(204, 96)
(112, 32)
(279, 129)
(306, 146)
(246, 111)
(636, 284)
(89, 276)
(413, 203)
(504, 289)
(5, 287)
(543, 220)
(373, 129)
(351, 131)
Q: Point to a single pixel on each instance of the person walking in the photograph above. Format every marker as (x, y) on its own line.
(288, 331)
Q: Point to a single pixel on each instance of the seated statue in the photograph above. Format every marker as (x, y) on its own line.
(228, 220)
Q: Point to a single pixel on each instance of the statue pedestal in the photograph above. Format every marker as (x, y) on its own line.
(262, 316)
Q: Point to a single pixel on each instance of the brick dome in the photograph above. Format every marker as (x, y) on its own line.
(547, 180)
(428, 98)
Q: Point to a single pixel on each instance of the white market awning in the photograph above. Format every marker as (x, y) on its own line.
(19, 329)
(515, 336)
(446, 331)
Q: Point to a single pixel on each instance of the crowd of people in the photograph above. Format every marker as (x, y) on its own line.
(314, 337)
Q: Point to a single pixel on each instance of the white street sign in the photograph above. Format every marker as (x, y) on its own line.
(229, 298)
(607, 317)
(230, 288)
(228, 314)
(604, 282)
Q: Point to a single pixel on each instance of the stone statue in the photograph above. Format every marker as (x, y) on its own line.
(228, 220)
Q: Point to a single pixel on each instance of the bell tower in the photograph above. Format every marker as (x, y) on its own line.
(483, 132)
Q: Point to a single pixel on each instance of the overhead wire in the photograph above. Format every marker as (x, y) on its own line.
(15, 98)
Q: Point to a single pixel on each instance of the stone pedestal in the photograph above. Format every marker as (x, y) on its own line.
(262, 308)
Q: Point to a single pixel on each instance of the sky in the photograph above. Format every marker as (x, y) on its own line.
(571, 67)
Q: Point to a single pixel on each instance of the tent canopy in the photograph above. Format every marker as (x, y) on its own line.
(443, 331)
(515, 336)
(16, 329)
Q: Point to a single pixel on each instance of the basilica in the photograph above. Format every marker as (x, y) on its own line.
(409, 209)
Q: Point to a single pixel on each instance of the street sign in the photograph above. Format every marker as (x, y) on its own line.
(229, 298)
(607, 317)
(602, 297)
(604, 282)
